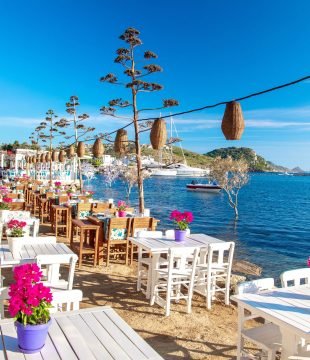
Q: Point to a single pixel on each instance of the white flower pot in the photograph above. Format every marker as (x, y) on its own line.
(15, 245)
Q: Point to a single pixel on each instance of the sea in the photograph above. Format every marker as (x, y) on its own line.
(273, 228)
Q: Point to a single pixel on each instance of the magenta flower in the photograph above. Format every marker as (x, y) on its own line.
(180, 219)
(29, 298)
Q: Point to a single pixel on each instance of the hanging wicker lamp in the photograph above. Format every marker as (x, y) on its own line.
(54, 155)
(42, 158)
(158, 135)
(98, 148)
(27, 159)
(38, 158)
(121, 142)
(48, 157)
(70, 152)
(81, 149)
(62, 156)
(34, 160)
(233, 122)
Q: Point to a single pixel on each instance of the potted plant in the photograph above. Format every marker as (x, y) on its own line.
(58, 186)
(181, 221)
(15, 232)
(121, 208)
(29, 303)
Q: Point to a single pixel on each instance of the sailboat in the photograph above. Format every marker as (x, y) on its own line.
(178, 169)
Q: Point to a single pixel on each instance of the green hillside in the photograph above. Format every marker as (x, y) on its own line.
(255, 162)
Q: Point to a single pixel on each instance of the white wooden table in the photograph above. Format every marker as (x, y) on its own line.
(157, 246)
(87, 334)
(30, 251)
(289, 308)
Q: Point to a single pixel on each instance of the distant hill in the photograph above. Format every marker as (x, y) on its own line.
(255, 162)
(297, 170)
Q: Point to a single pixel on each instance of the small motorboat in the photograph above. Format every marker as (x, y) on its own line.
(210, 187)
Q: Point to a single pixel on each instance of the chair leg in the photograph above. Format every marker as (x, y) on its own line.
(108, 254)
(81, 248)
(96, 247)
(127, 252)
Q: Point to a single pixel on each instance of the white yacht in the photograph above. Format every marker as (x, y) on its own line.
(185, 170)
(163, 172)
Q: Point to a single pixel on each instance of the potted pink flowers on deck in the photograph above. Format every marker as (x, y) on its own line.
(29, 303)
(121, 208)
(181, 221)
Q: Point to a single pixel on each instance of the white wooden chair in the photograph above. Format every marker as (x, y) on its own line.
(295, 277)
(175, 278)
(145, 263)
(53, 262)
(214, 273)
(66, 300)
(3, 296)
(267, 336)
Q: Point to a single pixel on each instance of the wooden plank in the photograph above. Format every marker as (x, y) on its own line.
(98, 350)
(10, 342)
(65, 248)
(75, 338)
(49, 351)
(104, 336)
(2, 357)
(60, 342)
(143, 346)
(122, 340)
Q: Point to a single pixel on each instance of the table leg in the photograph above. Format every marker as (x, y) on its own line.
(289, 344)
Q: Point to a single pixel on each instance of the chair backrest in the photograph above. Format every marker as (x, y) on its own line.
(169, 234)
(53, 271)
(150, 234)
(119, 229)
(63, 199)
(100, 207)
(142, 224)
(49, 194)
(255, 286)
(295, 277)
(12, 195)
(82, 197)
(19, 205)
(221, 254)
(83, 210)
(178, 261)
(66, 300)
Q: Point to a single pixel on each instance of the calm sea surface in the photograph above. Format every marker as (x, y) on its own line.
(273, 229)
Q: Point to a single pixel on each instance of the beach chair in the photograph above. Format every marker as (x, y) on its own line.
(177, 276)
(117, 238)
(214, 275)
(52, 263)
(137, 225)
(145, 263)
(66, 300)
(295, 277)
(267, 336)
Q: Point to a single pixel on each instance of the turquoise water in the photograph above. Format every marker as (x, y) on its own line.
(273, 229)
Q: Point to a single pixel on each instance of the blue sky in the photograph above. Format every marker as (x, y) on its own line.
(210, 51)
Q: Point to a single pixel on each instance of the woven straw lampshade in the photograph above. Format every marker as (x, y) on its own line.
(27, 159)
(121, 142)
(54, 155)
(34, 160)
(42, 158)
(61, 156)
(48, 157)
(81, 149)
(38, 158)
(233, 122)
(70, 152)
(158, 135)
(98, 148)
